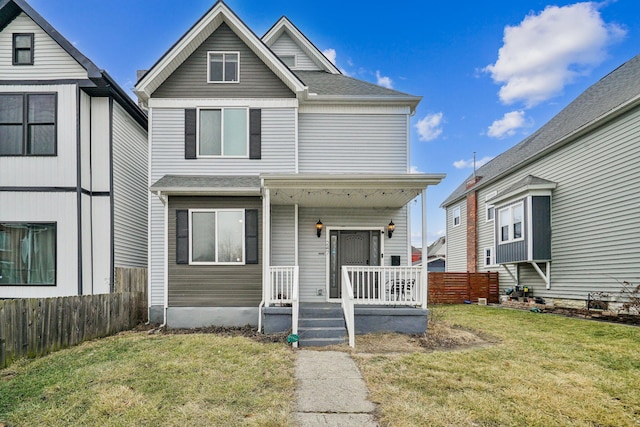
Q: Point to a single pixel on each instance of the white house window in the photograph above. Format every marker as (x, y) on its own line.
(490, 209)
(223, 132)
(27, 124)
(456, 216)
(224, 67)
(489, 258)
(289, 60)
(217, 236)
(510, 223)
(23, 49)
(27, 253)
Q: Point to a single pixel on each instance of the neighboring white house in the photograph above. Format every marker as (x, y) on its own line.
(268, 166)
(559, 212)
(73, 165)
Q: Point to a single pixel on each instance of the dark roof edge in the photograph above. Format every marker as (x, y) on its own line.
(125, 100)
(567, 139)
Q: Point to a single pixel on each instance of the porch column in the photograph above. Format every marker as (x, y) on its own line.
(425, 274)
(266, 246)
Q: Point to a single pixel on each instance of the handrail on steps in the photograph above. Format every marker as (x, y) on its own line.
(348, 306)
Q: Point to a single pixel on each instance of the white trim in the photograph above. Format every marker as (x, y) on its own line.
(488, 206)
(425, 269)
(296, 140)
(149, 216)
(217, 240)
(529, 223)
(222, 114)
(361, 107)
(222, 103)
(266, 244)
(223, 53)
(327, 253)
(511, 223)
(166, 257)
(459, 216)
(492, 257)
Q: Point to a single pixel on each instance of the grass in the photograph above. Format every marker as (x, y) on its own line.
(141, 379)
(542, 370)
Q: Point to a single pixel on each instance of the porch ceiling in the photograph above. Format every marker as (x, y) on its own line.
(347, 190)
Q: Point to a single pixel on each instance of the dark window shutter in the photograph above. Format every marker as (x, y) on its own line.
(190, 133)
(255, 134)
(251, 236)
(182, 236)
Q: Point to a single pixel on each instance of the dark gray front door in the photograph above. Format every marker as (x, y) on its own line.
(347, 247)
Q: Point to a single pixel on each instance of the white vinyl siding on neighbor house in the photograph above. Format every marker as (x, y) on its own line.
(593, 243)
(352, 143)
(50, 61)
(58, 208)
(457, 239)
(284, 45)
(130, 190)
(167, 133)
(313, 250)
(46, 171)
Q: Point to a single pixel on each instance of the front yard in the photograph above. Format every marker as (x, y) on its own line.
(479, 366)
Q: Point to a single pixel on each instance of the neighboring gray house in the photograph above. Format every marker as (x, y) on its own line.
(73, 165)
(436, 255)
(559, 212)
(270, 171)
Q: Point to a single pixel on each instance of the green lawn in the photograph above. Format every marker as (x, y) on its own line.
(141, 379)
(541, 370)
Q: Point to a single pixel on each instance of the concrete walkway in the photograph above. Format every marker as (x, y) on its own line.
(331, 391)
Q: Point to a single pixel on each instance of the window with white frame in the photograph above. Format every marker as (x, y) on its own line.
(27, 253)
(223, 132)
(490, 209)
(510, 222)
(223, 67)
(216, 236)
(489, 258)
(28, 124)
(456, 216)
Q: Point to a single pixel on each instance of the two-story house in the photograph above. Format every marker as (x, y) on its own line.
(559, 212)
(270, 171)
(73, 165)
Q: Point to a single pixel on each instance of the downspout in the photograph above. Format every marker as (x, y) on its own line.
(163, 199)
(425, 273)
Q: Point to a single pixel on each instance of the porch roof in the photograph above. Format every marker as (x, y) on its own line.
(347, 190)
(214, 185)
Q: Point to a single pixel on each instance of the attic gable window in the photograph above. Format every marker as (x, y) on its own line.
(289, 60)
(23, 49)
(223, 67)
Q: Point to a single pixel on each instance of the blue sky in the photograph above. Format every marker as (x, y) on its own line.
(490, 73)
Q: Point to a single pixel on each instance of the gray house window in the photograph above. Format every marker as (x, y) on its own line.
(224, 67)
(27, 253)
(23, 49)
(27, 124)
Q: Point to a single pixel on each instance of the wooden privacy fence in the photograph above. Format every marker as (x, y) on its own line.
(456, 288)
(37, 326)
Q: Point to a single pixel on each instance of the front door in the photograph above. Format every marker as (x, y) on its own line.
(351, 248)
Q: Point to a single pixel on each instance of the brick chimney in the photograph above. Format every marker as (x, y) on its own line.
(472, 231)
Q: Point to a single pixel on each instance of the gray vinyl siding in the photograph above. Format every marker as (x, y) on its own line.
(213, 285)
(312, 250)
(156, 248)
(457, 239)
(486, 232)
(130, 190)
(189, 80)
(278, 147)
(284, 45)
(353, 143)
(282, 235)
(594, 212)
(541, 228)
(513, 251)
(50, 61)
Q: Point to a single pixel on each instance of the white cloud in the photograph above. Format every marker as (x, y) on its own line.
(384, 81)
(549, 50)
(414, 169)
(467, 164)
(330, 54)
(430, 127)
(507, 125)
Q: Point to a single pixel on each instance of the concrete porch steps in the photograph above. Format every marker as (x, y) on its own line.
(321, 325)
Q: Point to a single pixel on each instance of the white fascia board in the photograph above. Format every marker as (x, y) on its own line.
(213, 191)
(223, 102)
(407, 100)
(528, 190)
(346, 181)
(284, 25)
(210, 22)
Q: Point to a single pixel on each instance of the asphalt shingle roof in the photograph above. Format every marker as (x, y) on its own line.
(324, 83)
(613, 90)
(206, 182)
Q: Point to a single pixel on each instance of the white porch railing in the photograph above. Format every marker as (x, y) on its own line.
(285, 289)
(386, 285)
(348, 307)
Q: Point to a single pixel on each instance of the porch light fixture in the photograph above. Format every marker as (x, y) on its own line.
(319, 228)
(391, 228)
